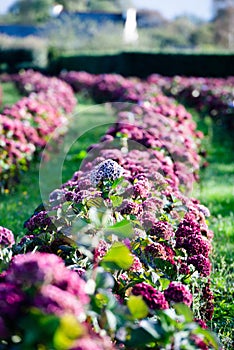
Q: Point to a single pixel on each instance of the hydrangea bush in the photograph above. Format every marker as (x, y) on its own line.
(135, 246)
(26, 126)
(208, 95)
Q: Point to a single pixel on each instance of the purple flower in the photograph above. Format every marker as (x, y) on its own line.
(11, 300)
(53, 300)
(201, 263)
(106, 170)
(162, 229)
(93, 341)
(207, 309)
(6, 237)
(39, 220)
(199, 343)
(194, 245)
(201, 323)
(188, 227)
(100, 251)
(184, 269)
(178, 293)
(40, 269)
(128, 207)
(155, 250)
(204, 210)
(137, 265)
(153, 298)
(148, 220)
(141, 189)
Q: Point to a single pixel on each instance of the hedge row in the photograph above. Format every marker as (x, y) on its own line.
(125, 63)
(138, 247)
(144, 64)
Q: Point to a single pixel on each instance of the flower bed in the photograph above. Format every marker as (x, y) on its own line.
(214, 96)
(26, 126)
(135, 245)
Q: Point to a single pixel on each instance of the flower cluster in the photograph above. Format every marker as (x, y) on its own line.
(153, 298)
(41, 281)
(6, 237)
(108, 170)
(26, 125)
(178, 293)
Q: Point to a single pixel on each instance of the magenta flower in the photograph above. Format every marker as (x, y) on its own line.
(162, 229)
(6, 237)
(178, 293)
(201, 263)
(153, 298)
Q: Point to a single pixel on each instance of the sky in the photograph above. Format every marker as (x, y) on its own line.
(168, 8)
(172, 8)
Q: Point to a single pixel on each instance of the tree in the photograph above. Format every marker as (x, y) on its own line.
(224, 29)
(30, 11)
(203, 36)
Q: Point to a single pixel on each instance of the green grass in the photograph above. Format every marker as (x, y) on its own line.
(10, 94)
(216, 191)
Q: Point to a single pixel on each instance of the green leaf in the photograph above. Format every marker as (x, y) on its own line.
(118, 257)
(185, 311)
(122, 229)
(165, 266)
(96, 202)
(164, 282)
(68, 331)
(116, 200)
(117, 182)
(137, 307)
(151, 328)
(111, 320)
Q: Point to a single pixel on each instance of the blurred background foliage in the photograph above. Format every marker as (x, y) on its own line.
(156, 32)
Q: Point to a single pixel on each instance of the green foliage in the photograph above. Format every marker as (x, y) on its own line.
(31, 11)
(137, 307)
(10, 94)
(118, 257)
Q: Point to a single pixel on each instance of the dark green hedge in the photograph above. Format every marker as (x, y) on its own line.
(13, 59)
(143, 64)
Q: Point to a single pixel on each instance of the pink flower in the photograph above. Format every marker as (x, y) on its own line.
(6, 237)
(178, 293)
(153, 298)
(201, 263)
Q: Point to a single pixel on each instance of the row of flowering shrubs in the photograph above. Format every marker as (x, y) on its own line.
(214, 96)
(120, 252)
(26, 126)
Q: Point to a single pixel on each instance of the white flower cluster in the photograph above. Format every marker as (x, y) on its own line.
(107, 170)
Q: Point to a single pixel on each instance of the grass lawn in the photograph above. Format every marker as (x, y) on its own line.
(215, 190)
